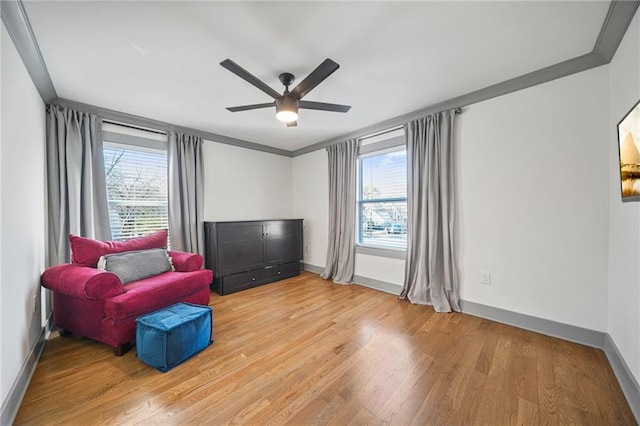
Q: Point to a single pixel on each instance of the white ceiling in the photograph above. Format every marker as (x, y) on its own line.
(160, 60)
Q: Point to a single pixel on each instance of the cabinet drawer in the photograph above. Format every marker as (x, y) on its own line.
(285, 270)
(243, 280)
(235, 282)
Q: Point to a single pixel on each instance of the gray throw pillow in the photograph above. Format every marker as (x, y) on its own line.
(136, 265)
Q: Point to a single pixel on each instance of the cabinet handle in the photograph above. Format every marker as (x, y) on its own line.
(279, 272)
(253, 278)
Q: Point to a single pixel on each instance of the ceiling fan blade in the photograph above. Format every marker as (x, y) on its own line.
(323, 106)
(317, 76)
(248, 77)
(292, 123)
(250, 107)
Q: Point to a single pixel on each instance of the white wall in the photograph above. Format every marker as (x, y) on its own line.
(533, 199)
(242, 184)
(379, 268)
(22, 213)
(624, 218)
(310, 186)
(534, 196)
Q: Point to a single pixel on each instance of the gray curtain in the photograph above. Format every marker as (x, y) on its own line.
(76, 180)
(186, 193)
(341, 251)
(431, 269)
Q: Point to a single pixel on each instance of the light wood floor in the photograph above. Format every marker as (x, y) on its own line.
(305, 351)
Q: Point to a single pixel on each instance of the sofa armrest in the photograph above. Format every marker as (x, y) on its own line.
(81, 281)
(186, 262)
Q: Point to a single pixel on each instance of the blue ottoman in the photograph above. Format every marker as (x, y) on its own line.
(170, 336)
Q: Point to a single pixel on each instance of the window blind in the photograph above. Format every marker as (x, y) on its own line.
(382, 199)
(136, 190)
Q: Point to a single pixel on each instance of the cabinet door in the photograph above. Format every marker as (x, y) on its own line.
(282, 241)
(239, 247)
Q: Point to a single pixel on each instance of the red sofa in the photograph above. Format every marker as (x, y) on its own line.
(96, 304)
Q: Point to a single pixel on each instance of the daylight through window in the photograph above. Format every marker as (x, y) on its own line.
(382, 199)
(136, 190)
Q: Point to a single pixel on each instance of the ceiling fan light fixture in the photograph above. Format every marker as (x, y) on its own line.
(287, 116)
(286, 109)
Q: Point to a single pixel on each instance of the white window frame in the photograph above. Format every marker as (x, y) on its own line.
(392, 144)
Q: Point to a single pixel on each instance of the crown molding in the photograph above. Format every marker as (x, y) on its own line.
(618, 19)
(17, 24)
(562, 69)
(136, 120)
(615, 25)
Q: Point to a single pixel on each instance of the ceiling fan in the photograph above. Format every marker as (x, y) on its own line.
(288, 103)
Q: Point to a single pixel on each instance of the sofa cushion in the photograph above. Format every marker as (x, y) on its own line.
(136, 265)
(153, 293)
(186, 262)
(87, 251)
(81, 282)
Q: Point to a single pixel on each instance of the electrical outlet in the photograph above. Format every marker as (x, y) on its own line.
(485, 277)
(34, 300)
(306, 249)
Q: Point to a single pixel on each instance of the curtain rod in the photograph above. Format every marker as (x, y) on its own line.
(382, 132)
(131, 126)
(393, 129)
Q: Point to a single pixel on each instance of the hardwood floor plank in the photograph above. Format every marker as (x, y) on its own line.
(466, 414)
(548, 390)
(489, 341)
(527, 413)
(407, 405)
(307, 351)
(498, 405)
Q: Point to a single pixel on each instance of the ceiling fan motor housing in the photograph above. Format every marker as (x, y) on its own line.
(288, 104)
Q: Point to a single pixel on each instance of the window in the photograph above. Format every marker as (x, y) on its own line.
(382, 199)
(136, 189)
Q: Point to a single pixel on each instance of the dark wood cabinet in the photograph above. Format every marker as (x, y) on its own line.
(251, 253)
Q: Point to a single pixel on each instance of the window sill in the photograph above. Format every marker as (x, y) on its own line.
(382, 252)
